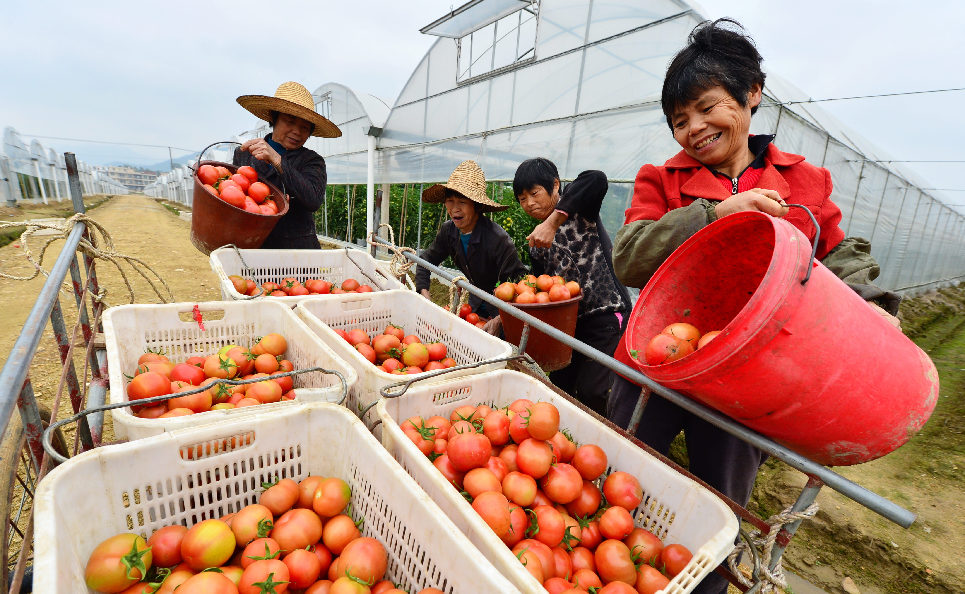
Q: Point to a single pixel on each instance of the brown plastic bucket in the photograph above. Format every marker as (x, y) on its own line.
(549, 353)
(215, 223)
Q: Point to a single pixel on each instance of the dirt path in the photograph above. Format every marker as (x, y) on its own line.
(845, 540)
(140, 227)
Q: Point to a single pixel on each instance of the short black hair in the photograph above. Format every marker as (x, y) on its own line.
(273, 116)
(535, 172)
(715, 55)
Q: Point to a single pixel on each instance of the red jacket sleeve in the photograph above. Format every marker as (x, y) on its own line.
(649, 200)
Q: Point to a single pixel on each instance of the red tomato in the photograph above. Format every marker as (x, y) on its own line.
(415, 354)
(209, 543)
(683, 330)
(573, 287)
(559, 293)
(118, 563)
(350, 284)
(274, 343)
(588, 501)
(165, 545)
(391, 364)
(148, 385)
(366, 351)
(517, 427)
(534, 457)
(448, 362)
(222, 171)
(563, 447)
(241, 180)
(395, 331)
(472, 317)
(207, 582)
(207, 174)
(675, 558)
(650, 580)
(644, 544)
(616, 522)
(437, 351)
(665, 348)
(296, 529)
(260, 548)
(590, 461)
(251, 522)
(464, 310)
(265, 575)
(623, 489)
(233, 195)
(304, 567)
(562, 483)
(496, 427)
(543, 552)
(469, 450)
(617, 588)
(365, 558)
(386, 345)
(480, 480)
(279, 497)
(519, 488)
(449, 472)
(494, 508)
(249, 172)
(331, 497)
(199, 402)
(357, 336)
(339, 532)
(707, 337)
(582, 558)
(543, 421)
(550, 525)
(518, 523)
(614, 563)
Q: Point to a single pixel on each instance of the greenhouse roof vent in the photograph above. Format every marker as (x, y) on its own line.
(473, 15)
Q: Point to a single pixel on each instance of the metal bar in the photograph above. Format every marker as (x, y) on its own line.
(15, 370)
(869, 499)
(96, 397)
(808, 494)
(33, 427)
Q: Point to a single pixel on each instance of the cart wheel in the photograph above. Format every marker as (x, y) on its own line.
(18, 481)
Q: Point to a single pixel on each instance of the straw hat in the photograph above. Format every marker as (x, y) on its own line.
(293, 99)
(468, 180)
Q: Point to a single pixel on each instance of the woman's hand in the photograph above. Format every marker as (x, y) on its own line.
(494, 326)
(261, 150)
(887, 316)
(544, 233)
(425, 293)
(755, 199)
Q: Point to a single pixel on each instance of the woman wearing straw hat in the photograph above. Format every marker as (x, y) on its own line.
(282, 159)
(480, 248)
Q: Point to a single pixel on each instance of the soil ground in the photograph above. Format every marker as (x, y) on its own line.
(844, 541)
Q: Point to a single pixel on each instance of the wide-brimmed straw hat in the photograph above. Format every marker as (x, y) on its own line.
(468, 180)
(293, 99)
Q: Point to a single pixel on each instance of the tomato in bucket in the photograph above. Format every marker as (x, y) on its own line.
(808, 364)
(216, 223)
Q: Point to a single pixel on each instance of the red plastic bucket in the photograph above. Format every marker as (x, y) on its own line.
(549, 353)
(810, 365)
(215, 223)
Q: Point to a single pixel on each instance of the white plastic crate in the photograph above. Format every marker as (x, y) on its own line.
(198, 473)
(131, 329)
(415, 314)
(273, 265)
(675, 508)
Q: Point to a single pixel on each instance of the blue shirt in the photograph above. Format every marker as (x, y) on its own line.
(464, 239)
(278, 148)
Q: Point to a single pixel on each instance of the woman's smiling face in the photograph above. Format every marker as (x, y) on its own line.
(713, 128)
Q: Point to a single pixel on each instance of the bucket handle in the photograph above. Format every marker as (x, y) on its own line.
(814, 247)
(201, 154)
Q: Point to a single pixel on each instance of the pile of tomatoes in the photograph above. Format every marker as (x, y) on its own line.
(548, 499)
(156, 375)
(241, 190)
(296, 538)
(396, 352)
(538, 289)
(292, 287)
(676, 341)
(465, 312)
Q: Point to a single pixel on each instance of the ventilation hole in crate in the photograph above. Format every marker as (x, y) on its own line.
(125, 499)
(140, 518)
(449, 396)
(129, 521)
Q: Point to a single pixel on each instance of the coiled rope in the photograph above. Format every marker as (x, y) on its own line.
(88, 246)
(773, 579)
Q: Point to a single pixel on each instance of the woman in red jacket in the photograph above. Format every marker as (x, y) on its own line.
(712, 88)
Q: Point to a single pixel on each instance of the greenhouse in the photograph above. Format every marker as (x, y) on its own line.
(33, 173)
(578, 82)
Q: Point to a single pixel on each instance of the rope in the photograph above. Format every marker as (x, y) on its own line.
(88, 247)
(773, 579)
(399, 265)
(456, 295)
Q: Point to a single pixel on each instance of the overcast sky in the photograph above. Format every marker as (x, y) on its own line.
(168, 73)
